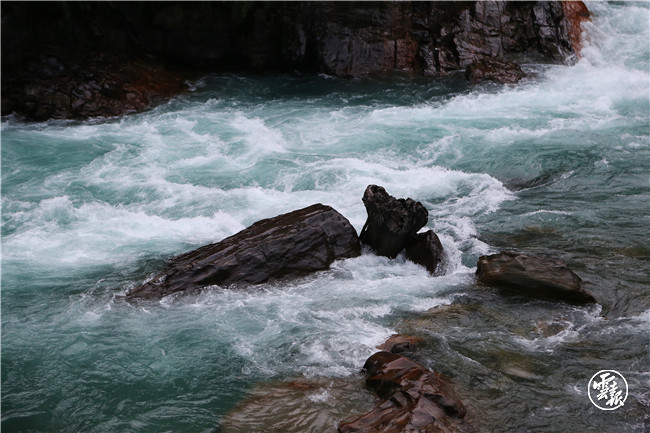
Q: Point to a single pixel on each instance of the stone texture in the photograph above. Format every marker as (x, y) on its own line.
(398, 343)
(425, 249)
(493, 69)
(56, 85)
(575, 13)
(412, 399)
(532, 276)
(391, 222)
(292, 244)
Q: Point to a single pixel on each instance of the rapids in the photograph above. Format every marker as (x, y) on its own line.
(557, 166)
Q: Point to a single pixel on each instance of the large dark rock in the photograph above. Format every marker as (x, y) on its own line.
(412, 399)
(50, 50)
(291, 244)
(392, 222)
(532, 276)
(425, 249)
(494, 69)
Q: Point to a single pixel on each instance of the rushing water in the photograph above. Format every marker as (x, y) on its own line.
(557, 166)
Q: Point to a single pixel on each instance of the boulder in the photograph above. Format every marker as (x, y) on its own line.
(532, 276)
(391, 222)
(494, 69)
(292, 244)
(425, 249)
(412, 399)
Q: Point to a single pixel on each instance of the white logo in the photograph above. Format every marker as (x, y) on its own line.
(607, 389)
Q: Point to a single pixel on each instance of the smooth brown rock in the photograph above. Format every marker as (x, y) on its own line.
(412, 399)
(425, 249)
(392, 222)
(532, 276)
(398, 343)
(292, 244)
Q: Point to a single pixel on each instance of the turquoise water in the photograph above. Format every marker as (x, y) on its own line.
(557, 166)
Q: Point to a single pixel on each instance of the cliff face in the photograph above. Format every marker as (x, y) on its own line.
(81, 59)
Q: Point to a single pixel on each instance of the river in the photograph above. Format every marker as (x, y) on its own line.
(557, 166)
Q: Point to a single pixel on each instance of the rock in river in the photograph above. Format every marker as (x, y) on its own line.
(292, 244)
(425, 249)
(494, 69)
(532, 276)
(398, 343)
(412, 399)
(392, 222)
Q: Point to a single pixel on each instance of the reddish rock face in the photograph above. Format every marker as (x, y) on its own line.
(413, 399)
(292, 244)
(575, 13)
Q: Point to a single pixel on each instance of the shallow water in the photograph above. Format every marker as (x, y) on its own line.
(556, 166)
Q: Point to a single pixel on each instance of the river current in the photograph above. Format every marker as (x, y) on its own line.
(557, 166)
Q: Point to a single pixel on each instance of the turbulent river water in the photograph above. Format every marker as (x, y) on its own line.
(557, 166)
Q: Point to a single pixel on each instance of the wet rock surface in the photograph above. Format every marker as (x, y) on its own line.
(532, 276)
(575, 13)
(288, 245)
(412, 399)
(494, 69)
(392, 223)
(425, 249)
(398, 343)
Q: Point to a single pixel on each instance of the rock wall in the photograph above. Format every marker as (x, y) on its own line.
(50, 48)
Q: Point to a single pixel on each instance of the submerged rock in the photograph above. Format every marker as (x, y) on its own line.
(297, 406)
(425, 249)
(532, 276)
(392, 222)
(494, 69)
(292, 244)
(412, 399)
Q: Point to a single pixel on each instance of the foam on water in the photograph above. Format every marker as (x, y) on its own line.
(91, 209)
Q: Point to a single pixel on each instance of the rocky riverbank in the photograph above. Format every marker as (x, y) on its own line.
(80, 60)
